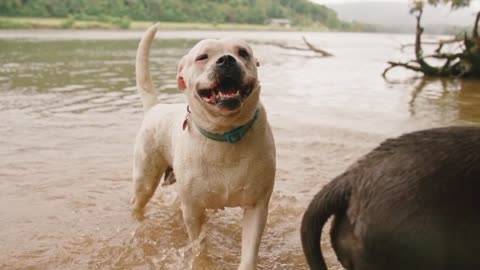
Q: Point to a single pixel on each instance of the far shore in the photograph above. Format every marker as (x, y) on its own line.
(69, 23)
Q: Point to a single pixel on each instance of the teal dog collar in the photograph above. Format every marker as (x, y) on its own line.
(232, 136)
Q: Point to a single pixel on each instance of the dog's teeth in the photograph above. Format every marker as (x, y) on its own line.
(228, 94)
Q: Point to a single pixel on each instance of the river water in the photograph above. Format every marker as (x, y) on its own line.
(69, 112)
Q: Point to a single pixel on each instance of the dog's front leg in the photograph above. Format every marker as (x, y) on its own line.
(254, 220)
(193, 217)
(148, 167)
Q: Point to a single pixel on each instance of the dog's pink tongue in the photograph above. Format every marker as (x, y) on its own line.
(210, 98)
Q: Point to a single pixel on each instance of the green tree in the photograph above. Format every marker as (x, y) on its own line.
(453, 3)
(300, 12)
(463, 63)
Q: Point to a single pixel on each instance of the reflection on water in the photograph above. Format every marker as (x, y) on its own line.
(447, 100)
(69, 112)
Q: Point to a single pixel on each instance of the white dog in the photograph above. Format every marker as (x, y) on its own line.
(222, 150)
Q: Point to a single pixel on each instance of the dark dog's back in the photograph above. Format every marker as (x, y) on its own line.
(412, 203)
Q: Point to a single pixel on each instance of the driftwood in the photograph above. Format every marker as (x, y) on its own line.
(316, 49)
(310, 47)
(465, 63)
(439, 43)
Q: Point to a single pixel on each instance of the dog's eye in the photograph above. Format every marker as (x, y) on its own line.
(244, 53)
(201, 57)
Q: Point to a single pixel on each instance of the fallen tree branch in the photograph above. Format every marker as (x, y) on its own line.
(463, 61)
(315, 49)
(450, 41)
(475, 29)
(440, 43)
(310, 48)
(401, 64)
(284, 46)
(446, 56)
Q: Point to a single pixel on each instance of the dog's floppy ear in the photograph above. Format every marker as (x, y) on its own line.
(180, 80)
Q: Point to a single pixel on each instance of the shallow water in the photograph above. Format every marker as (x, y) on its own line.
(69, 112)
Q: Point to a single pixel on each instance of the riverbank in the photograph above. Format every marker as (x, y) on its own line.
(125, 23)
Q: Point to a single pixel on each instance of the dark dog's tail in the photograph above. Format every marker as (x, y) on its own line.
(332, 199)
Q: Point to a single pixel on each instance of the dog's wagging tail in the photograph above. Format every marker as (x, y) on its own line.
(332, 199)
(145, 85)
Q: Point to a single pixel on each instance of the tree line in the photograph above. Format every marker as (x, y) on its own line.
(300, 12)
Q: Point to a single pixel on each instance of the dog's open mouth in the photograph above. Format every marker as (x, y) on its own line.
(228, 98)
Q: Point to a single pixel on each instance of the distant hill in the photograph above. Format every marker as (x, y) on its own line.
(395, 16)
(299, 12)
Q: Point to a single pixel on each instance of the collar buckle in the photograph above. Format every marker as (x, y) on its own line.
(234, 136)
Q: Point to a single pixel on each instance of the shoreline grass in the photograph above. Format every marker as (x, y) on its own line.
(72, 23)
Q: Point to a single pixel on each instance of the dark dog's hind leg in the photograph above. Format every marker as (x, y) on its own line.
(169, 177)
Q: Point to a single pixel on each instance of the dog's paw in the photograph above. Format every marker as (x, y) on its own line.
(138, 215)
(137, 212)
(247, 267)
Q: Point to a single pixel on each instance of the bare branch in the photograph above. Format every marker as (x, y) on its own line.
(315, 49)
(458, 61)
(446, 65)
(400, 64)
(284, 46)
(448, 41)
(475, 28)
(439, 43)
(447, 56)
(288, 47)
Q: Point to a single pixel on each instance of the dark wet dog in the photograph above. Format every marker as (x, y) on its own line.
(412, 203)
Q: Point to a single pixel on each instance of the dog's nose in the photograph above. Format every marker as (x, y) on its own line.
(226, 61)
